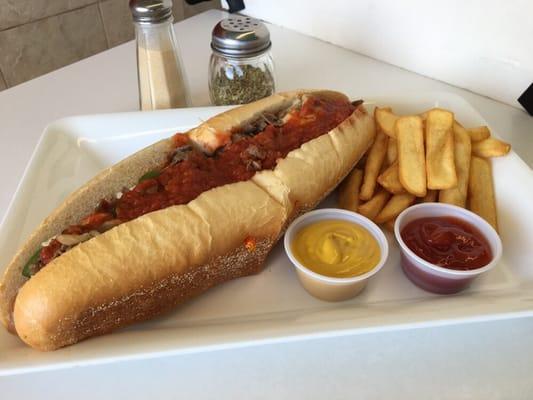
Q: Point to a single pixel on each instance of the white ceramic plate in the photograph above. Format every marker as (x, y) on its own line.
(271, 306)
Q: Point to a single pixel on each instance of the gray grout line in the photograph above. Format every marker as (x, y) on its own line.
(101, 14)
(3, 79)
(50, 16)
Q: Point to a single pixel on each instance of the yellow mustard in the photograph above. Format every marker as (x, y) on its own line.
(336, 248)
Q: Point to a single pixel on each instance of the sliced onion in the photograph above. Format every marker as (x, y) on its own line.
(71, 240)
(107, 225)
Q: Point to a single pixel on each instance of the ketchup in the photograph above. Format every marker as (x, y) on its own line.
(447, 242)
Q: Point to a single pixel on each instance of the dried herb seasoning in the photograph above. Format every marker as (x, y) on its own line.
(241, 84)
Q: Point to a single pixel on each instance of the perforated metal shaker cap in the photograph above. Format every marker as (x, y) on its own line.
(151, 11)
(240, 36)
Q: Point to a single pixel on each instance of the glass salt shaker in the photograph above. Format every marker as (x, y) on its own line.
(241, 68)
(160, 72)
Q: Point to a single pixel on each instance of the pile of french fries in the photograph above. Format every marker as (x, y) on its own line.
(423, 158)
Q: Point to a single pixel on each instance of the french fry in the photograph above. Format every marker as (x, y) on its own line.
(374, 161)
(386, 119)
(424, 115)
(373, 206)
(394, 207)
(462, 152)
(490, 147)
(392, 151)
(389, 225)
(349, 190)
(411, 159)
(440, 164)
(390, 180)
(481, 198)
(478, 133)
(430, 197)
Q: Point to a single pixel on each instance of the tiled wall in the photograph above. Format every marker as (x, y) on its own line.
(39, 36)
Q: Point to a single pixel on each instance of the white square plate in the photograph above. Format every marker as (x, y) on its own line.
(271, 306)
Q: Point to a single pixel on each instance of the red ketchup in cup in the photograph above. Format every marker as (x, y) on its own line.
(445, 247)
(447, 242)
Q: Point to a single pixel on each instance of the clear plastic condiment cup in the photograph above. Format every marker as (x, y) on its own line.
(429, 276)
(326, 287)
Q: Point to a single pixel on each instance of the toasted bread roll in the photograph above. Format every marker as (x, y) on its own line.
(150, 264)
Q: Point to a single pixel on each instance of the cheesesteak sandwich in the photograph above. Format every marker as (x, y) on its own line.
(180, 216)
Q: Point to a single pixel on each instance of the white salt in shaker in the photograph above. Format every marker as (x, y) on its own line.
(161, 80)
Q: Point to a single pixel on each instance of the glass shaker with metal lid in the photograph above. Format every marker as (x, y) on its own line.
(241, 68)
(160, 72)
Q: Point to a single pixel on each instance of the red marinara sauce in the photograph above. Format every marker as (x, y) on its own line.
(183, 182)
(179, 183)
(447, 242)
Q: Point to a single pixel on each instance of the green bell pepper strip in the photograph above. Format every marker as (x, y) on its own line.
(149, 175)
(26, 271)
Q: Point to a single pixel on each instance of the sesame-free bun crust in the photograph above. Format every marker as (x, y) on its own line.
(149, 265)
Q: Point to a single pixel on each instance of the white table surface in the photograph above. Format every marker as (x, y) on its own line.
(483, 360)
